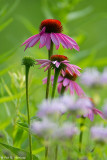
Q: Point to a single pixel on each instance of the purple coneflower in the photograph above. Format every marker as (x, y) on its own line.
(59, 61)
(67, 80)
(50, 30)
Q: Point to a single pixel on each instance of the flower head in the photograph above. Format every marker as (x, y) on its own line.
(51, 107)
(91, 77)
(51, 25)
(105, 110)
(99, 134)
(28, 61)
(89, 107)
(50, 30)
(59, 61)
(43, 128)
(66, 131)
(104, 77)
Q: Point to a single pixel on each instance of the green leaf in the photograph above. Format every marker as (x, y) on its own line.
(19, 152)
(5, 24)
(11, 98)
(23, 126)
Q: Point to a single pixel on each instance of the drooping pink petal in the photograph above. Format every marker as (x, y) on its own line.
(59, 87)
(71, 42)
(57, 64)
(48, 66)
(45, 64)
(90, 115)
(41, 61)
(72, 68)
(43, 38)
(30, 38)
(48, 41)
(33, 41)
(44, 80)
(71, 86)
(60, 79)
(42, 31)
(66, 82)
(96, 111)
(78, 89)
(62, 41)
(65, 61)
(55, 40)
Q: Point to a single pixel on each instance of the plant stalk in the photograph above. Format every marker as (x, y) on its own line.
(28, 113)
(81, 133)
(57, 71)
(50, 52)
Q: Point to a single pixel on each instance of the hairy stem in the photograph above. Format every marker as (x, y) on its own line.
(49, 71)
(81, 133)
(28, 114)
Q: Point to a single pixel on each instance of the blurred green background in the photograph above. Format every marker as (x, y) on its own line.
(83, 20)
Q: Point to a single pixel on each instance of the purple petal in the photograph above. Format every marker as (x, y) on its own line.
(59, 87)
(62, 41)
(96, 111)
(42, 31)
(43, 38)
(60, 78)
(31, 38)
(48, 41)
(45, 64)
(71, 43)
(65, 82)
(55, 40)
(48, 66)
(41, 61)
(44, 80)
(78, 89)
(71, 87)
(57, 64)
(34, 41)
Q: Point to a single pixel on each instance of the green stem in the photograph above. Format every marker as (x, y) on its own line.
(62, 90)
(46, 152)
(57, 71)
(49, 71)
(50, 52)
(28, 114)
(56, 152)
(81, 133)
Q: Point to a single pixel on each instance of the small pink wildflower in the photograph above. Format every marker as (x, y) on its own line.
(50, 30)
